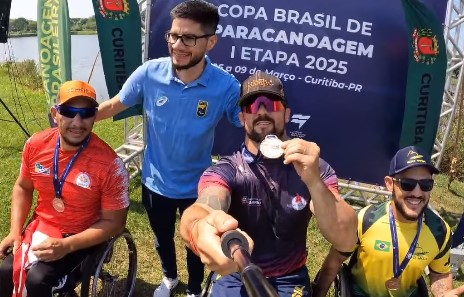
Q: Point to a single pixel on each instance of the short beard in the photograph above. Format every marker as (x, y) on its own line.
(259, 137)
(192, 63)
(400, 207)
(72, 143)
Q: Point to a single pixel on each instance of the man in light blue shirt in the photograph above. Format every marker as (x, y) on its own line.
(184, 96)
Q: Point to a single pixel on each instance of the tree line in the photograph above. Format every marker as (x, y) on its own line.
(22, 25)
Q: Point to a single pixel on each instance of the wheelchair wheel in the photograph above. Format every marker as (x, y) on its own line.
(115, 273)
(207, 289)
(342, 282)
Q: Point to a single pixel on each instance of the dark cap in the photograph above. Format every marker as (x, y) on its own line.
(408, 157)
(261, 83)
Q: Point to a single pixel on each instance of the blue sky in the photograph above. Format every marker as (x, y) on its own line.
(28, 9)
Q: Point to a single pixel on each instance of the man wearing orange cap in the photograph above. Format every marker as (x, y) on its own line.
(83, 198)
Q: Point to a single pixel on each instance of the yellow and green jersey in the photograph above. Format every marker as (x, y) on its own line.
(373, 259)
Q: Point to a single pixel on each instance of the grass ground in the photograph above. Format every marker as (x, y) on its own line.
(33, 112)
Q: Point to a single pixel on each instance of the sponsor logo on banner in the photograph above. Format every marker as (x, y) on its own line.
(83, 180)
(114, 9)
(202, 108)
(299, 119)
(383, 246)
(39, 168)
(161, 101)
(425, 45)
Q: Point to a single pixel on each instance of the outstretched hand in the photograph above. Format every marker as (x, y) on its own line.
(207, 237)
(304, 156)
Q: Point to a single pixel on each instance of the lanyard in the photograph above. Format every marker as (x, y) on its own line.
(59, 183)
(397, 268)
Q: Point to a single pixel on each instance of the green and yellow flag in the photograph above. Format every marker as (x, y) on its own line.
(54, 46)
(381, 245)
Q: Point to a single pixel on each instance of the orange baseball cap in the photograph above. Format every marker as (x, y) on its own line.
(76, 89)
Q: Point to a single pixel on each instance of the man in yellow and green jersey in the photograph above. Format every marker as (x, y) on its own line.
(398, 239)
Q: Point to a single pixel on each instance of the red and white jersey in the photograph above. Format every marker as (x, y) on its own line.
(97, 181)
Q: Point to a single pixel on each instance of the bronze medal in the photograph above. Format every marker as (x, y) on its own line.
(58, 204)
(393, 284)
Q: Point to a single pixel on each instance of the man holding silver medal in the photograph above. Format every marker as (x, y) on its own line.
(269, 189)
(83, 198)
(398, 239)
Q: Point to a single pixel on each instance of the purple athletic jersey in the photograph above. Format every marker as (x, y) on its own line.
(271, 204)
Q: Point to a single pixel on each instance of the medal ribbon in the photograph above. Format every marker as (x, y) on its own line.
(59, 183)
(397, 268)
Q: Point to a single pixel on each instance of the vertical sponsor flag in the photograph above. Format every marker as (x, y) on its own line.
(120, 38)
(54, 46)
(426, 76)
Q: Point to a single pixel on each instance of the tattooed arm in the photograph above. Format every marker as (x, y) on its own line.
(440, 283)
(210, 199)
(203, 223)
(215, 198)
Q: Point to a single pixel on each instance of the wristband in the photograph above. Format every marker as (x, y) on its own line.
(193, 246)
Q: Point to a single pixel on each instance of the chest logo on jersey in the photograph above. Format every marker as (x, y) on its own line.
(383, 246)
(83, 180)
(298, 202)
(39, 168)
(161, 101)
(420, 254)
(250, 201)
(202, 108)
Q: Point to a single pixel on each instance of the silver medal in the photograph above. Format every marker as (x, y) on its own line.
(270, 147)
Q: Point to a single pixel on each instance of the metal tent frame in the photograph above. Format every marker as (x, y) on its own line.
(358, 193)
(133, 148)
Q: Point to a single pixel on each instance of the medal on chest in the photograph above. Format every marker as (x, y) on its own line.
(393, 284)
(58, 183)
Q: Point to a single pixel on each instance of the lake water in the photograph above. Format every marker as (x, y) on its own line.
(84, 50)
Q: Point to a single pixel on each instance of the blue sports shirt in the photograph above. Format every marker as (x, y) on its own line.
(180, 122)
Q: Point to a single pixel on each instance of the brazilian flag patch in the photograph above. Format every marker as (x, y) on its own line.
(383, 246)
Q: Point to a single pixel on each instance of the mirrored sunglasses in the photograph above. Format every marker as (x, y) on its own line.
(71, 112)
(271, 105)
(409, 184)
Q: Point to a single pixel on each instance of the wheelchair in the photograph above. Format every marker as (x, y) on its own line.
(109, 271)
(457, 249)
(342, 287)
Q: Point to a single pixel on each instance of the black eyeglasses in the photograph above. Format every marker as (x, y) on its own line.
(409, 184)
(71, 112)
(187, 40)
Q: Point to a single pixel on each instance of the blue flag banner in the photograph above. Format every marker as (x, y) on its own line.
(345, 69)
